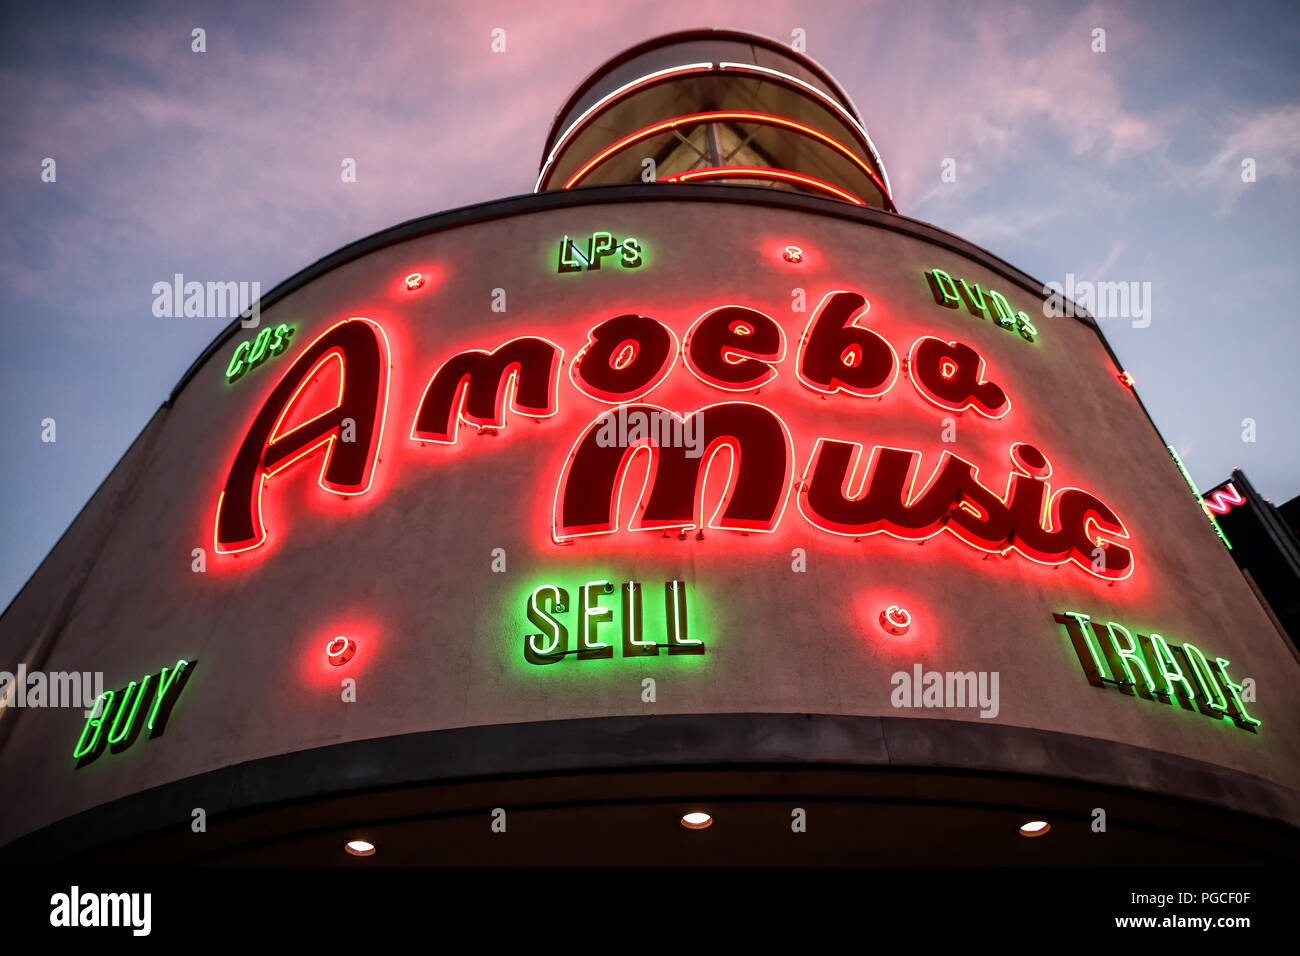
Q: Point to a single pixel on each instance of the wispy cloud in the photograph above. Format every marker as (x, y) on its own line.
(1268, 139)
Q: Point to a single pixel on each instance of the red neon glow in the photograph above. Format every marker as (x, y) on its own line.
(713, 494)
(1223, 500)
(1028, 460)
(610, 493)
(595, 109)
(744, 369)
(625, 357)
(628, 332)
(895, 620)
(340, 650)
(766, 119)
(650, 79)
(414, 281)
(1127, 379)
(315, 672)
(506, 389)
(1027, 519)
(763, 172)
(279, 452)
(836, 318)
(955, 365)
(793, 254)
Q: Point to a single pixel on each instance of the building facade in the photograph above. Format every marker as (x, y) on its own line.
(700, 481)
(1264, 544)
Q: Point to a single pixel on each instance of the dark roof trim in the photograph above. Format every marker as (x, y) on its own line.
(682, 741)
(635, 192)
(1279, 535)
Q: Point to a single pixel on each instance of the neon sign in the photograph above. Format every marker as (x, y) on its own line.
(988, 303)
(115, 720)
(1196, 492)
(1224, 499)
(551, 644)
(253, 352)
(1153, 668)
(847, 488)
(601, 245)
(361, 349)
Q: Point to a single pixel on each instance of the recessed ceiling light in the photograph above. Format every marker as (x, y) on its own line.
(697, 820)
(1035, 828)
(359, 848)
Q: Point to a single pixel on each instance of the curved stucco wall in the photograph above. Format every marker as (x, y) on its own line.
(407, 568)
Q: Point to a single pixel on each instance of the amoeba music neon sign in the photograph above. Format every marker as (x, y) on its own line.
(735, 350)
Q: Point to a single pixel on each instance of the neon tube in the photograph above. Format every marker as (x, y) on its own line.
(717, 115)
(763, 172)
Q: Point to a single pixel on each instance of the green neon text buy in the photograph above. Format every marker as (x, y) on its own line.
(119, 715)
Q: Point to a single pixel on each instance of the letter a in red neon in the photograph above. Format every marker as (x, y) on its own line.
(361, 349)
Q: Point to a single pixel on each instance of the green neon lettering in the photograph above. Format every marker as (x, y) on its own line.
(281, 341)
(96, 722)
(602, 245)
(679, 641)
(1170, 672)
(1187, 677)
(974, 299)
(1025, 327)
(553, 632)
(1085, 645)
(123, 706)
(1238, 709)
(166, 681)
(1006, 316)
(592, 614)
(980, 302)
(258, 352)
(1127, 657)
(633, 644)
(570, 260)
(631, 254)
(1213, 699)
(943, 288)
(132, 697)
(237, 367)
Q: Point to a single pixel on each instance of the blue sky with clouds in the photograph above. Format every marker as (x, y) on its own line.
(1115, 166)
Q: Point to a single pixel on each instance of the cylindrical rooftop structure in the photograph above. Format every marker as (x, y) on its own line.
(714, 106)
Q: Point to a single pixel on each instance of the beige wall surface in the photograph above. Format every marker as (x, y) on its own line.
(407, 567)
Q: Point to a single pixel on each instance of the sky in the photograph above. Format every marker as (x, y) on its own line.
(1122, 165)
